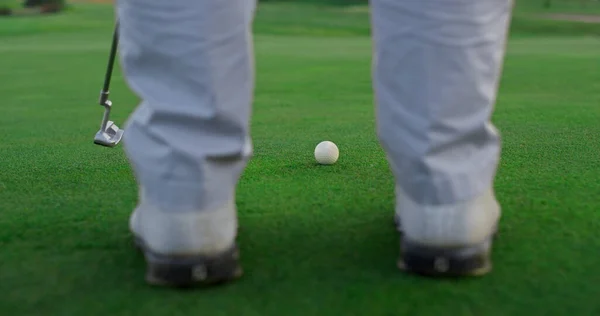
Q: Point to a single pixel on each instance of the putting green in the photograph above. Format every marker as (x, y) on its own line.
(316, 240)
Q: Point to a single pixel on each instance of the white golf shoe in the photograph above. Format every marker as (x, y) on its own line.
(447, 240)
(188, 248)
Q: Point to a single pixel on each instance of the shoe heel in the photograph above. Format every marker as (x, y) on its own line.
(445, 262)
(191, 271)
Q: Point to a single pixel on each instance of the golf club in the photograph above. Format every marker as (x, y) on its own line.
(109, 134)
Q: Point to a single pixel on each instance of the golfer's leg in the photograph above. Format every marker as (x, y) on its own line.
(191, 64)
(436, 70)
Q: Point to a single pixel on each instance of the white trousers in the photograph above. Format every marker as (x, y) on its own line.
(436, 69)
(191, 63)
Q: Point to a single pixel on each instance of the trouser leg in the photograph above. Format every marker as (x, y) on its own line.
(191, 63)
(436, 70)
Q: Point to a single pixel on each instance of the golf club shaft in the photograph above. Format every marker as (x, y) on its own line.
(109, 69)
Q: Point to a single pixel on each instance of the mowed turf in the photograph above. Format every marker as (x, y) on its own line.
(315, 240)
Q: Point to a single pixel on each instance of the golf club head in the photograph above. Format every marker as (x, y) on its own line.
(109, 137)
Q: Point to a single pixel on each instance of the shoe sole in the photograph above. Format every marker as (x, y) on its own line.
(190, 271)
(445, 262)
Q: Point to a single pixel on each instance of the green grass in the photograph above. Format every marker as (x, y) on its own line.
(558, 6)
(316, 240)
(297, 19)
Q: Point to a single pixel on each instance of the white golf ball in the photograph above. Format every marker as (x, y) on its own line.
(327, 153)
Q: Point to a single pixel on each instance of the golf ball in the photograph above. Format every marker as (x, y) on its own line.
(327, 153)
